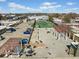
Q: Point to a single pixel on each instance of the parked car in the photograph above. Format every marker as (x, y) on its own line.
(11, 29)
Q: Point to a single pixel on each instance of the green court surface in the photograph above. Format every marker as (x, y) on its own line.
(44, 24)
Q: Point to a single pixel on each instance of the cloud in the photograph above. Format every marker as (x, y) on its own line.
(13, 7)
(1, 11)
(16, 6)
(2, 0)
(72, 9)
(35, 10)
(47, 5)
(71, 3)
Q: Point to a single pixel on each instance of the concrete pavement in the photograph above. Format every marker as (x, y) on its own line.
(56, 48)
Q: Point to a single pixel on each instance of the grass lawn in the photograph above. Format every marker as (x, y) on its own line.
(43, 24)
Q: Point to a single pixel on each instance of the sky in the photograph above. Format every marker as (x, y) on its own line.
(39, 6)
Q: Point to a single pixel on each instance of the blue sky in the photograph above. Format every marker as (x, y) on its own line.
(42, 6)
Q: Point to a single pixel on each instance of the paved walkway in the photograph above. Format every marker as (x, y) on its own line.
(56, 48)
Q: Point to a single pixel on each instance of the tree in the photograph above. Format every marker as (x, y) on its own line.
(0, 16)
(56, 15)
(72, 15)
(66, 19)
(50, 18)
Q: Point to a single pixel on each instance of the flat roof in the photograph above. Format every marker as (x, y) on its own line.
(62, 28)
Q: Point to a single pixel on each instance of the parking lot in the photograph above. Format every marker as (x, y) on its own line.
(17, 34)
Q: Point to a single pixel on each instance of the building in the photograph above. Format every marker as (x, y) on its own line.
(9, 23)
(76, 20)
(73, 32)
(43, 17)
(57, 21)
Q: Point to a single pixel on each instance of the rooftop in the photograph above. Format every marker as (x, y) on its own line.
(61, 28)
